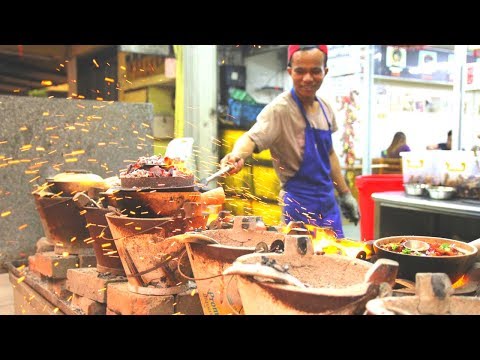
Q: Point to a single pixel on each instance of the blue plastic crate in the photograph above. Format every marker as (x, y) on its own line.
(243, 114)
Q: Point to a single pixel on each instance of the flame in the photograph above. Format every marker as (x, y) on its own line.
(325, 241)
(460, 282)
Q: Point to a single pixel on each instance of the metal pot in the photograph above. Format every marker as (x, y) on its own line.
(158, 182)
(441, 192)
(63, 224)
(454, 266)
(415, 189)
(108, 260)
(150, 204)
(160, 203)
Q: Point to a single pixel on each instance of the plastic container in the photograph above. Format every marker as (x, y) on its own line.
(243, 114)
(367, 185)
(455, 166)
(241, 95)
(418, 167)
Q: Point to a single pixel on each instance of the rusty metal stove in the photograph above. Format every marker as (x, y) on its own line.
(467, 285)
(433, 295)
(63, 224)
(302, 283)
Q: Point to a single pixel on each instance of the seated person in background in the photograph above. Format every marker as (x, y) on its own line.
(443, 146)
(399, 144)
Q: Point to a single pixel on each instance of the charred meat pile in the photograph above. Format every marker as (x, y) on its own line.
(156, 172)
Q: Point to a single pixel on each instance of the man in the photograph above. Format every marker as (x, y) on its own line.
(297, 128)
(443, 146)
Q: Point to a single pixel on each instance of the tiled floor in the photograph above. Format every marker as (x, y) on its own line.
(6, 295)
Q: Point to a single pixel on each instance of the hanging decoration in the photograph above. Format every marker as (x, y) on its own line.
(350, 108)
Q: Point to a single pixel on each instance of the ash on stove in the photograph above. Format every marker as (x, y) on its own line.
(110, 276)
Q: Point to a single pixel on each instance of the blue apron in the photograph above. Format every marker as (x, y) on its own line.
(310, 194)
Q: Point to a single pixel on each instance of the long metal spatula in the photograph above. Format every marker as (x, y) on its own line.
(204, 182)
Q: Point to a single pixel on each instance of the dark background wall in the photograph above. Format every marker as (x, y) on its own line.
(41, 136)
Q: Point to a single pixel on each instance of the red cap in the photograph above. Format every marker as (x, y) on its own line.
(293, 48)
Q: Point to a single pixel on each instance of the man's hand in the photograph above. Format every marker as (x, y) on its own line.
(349, 207)
(231, 159)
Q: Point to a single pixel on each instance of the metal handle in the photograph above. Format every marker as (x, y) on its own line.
(219, 173)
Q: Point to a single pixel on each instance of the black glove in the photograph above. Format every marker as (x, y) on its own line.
(349, 207)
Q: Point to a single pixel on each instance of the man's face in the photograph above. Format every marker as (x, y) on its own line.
(307, 71)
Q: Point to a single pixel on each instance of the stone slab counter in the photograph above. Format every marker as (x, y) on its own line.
(40, 137)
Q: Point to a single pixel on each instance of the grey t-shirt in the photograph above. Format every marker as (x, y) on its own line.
(280, 127)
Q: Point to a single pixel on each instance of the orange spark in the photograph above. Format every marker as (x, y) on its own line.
(76, 152)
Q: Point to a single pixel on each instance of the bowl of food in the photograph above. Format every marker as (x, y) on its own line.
(451, 257)
(441, 192)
